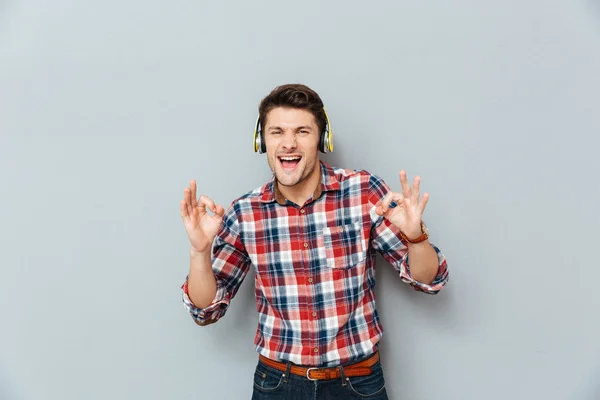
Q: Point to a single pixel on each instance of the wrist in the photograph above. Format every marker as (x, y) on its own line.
(198, 253)
(412, 235)
(417, 238)
(418, 246)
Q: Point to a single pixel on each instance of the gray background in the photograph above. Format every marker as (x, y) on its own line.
(108, 109)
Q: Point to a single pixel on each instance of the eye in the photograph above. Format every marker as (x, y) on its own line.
(275, 132)
(303, 132)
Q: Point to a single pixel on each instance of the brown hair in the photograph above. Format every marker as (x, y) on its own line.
(294, 96)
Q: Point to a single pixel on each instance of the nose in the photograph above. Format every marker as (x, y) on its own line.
(289, 141)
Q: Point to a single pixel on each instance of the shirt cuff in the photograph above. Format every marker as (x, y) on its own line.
(211, 313)
(439, 281)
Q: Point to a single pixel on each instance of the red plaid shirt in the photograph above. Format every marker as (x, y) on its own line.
(315, 268)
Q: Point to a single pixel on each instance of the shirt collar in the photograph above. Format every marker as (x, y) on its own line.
(327, 181)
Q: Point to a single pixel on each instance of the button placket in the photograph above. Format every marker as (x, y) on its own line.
(304, 220)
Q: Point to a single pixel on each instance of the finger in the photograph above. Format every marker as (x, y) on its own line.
(415, 192)
(194, 187)
(399, 199)
(188, 202)
(423, 203)
(204, 201)
(379, 207)
(220, 211)
(184, 212)
(405, 186)
(389, 197)
(385, 202)
(378, 210)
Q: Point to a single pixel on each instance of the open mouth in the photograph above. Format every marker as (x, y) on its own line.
(289, 162)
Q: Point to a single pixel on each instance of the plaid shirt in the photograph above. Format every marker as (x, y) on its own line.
(314, 265)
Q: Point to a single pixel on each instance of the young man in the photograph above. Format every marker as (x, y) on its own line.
(310, 234)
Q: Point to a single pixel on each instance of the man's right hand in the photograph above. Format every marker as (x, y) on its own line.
(201, 227)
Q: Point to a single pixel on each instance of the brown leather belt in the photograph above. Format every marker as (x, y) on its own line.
(360, 368)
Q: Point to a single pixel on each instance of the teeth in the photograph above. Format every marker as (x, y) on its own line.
(289, 158)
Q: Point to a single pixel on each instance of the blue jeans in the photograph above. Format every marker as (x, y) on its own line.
(269, 384)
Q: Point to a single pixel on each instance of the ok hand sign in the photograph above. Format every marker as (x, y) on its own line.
(407, 214)
(200, 226)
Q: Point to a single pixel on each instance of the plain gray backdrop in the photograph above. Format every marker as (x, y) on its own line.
(109, 109)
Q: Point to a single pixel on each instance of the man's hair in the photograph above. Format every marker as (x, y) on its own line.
(293, 96)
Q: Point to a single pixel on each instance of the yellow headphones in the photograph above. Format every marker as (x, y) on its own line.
(325, 140)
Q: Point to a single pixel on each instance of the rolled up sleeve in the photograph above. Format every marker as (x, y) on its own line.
(211, 313)
(386, 239)
(230, 264)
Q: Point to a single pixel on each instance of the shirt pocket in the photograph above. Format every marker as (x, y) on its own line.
(344, 245)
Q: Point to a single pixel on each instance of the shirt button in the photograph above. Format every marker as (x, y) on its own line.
(306, 245)
(341, 229)
(309, 280)
(314, 314)
(316, 350)
(302, 211)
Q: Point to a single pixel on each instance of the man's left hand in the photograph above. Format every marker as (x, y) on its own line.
(407, 214)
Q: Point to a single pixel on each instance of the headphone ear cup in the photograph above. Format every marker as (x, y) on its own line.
(326, 143)
(259, 141)
(263, 146)
(322, 148)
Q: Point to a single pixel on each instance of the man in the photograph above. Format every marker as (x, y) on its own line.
(310, 234)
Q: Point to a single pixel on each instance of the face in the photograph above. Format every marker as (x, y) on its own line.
(292, 140)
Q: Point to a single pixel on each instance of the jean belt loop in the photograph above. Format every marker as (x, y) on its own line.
(286, 374)
(342, 376)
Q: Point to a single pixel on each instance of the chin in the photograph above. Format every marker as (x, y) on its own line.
(286, 179)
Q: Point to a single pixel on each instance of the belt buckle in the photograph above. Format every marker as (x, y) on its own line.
(308, 371)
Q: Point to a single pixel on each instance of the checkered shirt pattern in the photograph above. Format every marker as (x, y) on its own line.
(314, 268)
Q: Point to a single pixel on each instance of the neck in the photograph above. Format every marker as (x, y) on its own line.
(302, 191)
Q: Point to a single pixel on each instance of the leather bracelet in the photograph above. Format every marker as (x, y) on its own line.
(423, 237)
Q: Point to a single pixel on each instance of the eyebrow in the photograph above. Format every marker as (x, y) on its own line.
(298, 128)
